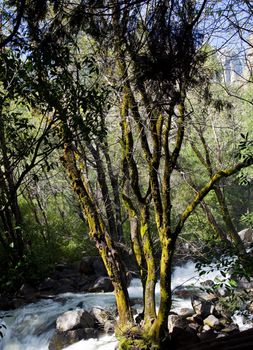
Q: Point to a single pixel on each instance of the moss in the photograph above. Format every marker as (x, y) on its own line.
(136, 339)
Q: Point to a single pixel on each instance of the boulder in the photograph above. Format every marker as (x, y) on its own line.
(201, 306)
(61, 340)
(65, 285)
(7, 303)
(99, 267)
(27, 290)
(86, 266)
(48, 284)
(208, 335)
(92, 265)
(221, 311)
(101, 316)
(212, 321)
(109, 327)
(102, 284)
(185, 312)
(244, 283)
(74, 319)
(176, 321)
(246, 235)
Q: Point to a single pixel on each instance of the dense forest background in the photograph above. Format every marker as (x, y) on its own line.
(117, 125)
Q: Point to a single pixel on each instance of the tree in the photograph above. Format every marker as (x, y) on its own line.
(155, 47)
(22, 147)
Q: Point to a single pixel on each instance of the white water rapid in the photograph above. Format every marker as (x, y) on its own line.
(31, 327)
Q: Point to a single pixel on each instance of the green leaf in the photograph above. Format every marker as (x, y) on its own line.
(233, 283)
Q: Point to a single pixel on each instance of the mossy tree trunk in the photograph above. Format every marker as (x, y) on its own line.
(98, 232)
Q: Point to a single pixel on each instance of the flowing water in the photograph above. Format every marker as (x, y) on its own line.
(31, 327)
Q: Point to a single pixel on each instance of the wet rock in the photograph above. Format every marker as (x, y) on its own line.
(7, 303)
(202, 307)
(75, 319)
(102, 284)
(211, 321)
(65, 285)
(109, 327)
(136, 301)
(27, 290)
(139, 317)
(86, 282)
(101, 316)
(48, 284)
(185, 312)
(61, 340)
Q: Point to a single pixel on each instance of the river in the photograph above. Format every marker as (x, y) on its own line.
(31, 327)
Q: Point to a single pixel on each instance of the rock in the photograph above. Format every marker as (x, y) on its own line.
(201, 306)
(65, 285)
(109, 327)
(139, 318)
(102, 284)
(246, 235)
(183, 293)
(223, 292)
(231, 329)
(198, 319)
(101, 316)
(64, 339)
(27, 290)
(49, 284)
(220, 311)
(194, 326)
(176, 321)
(60, 267)
(185, 312)
(208, 335)
(207, 284)
(136, 301)
(206, 328)
(99, 267)
(92, 265)
(6, 303)
(86, 283)
(250, 307)
(211, 321)
(181, 337)
(243, 283)
(74, 319)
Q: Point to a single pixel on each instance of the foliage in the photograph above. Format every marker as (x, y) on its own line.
(137, 90)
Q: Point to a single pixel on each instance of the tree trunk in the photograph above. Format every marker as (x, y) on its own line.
(104, 242)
